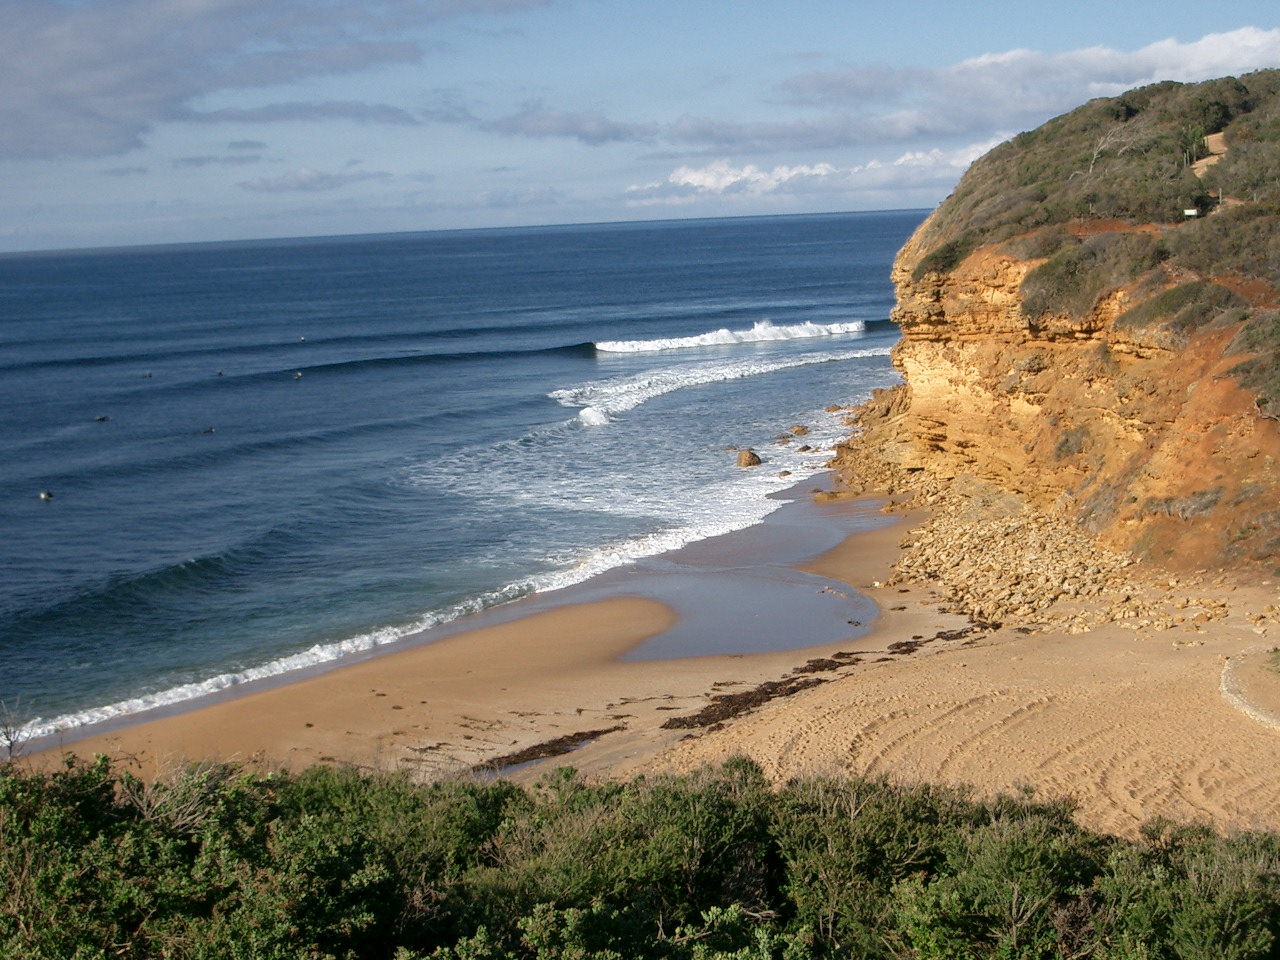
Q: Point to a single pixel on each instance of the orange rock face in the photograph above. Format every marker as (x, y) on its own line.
(1147, 443)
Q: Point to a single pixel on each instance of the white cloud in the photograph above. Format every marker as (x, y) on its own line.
(1020, 88)
(911, 174)
(951, 160)
(800, 133)
(721, 177)
(912, 131)
(877, 105)
(235, 160)
(593, 127)
(329, 110)
(516, 199)
(1214, 55)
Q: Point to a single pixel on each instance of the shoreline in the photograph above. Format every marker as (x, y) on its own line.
(650, 625)
(724, 554)
(976, 671)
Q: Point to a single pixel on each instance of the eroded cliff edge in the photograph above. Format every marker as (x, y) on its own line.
(1090, 322)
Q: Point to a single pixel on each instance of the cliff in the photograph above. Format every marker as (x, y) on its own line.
(1072, 334)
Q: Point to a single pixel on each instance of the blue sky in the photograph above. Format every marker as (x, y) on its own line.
(155, 121)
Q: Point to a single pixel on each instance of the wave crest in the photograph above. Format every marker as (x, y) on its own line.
(762, 332)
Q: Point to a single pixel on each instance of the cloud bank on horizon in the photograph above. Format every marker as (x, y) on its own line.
(140, 121)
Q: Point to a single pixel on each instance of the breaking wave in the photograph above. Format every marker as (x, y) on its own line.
(763, 332)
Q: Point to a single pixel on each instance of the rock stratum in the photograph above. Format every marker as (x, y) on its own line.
(1089, 324)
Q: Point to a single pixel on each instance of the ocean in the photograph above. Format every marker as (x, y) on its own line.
(225, 462)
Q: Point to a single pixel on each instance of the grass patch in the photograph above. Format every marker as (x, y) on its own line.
(1182, 309)
(1184, 508)
(1071, 443)
(945, 258)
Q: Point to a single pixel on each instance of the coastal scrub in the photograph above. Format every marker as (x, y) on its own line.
(219, 861)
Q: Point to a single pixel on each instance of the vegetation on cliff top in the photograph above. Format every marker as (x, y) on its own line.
(1100, 197)
(1127, 159)
(329, 863)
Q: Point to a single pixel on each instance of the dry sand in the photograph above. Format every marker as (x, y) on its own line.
(1130, 722)
(1173, 710)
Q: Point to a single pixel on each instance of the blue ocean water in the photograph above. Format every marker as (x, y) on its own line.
(265, 455)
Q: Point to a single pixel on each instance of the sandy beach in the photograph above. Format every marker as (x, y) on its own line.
(1154, 697)
(563, 667)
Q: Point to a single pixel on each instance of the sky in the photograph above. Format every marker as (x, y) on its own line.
(130, 122)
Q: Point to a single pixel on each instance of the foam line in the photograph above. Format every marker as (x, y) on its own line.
(763, 332)
(592, 563)
(602, 400)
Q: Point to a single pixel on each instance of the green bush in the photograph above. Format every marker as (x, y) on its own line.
(945, 258)
(1003, 892)
(1187, 893)
(845, 843)
(1075, 278)
(1242, 242)
(219, 863)
(663, 850)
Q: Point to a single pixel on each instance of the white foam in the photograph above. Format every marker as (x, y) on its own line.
(571, 571)
(608, 398)
(702, 509)
(314, 656)
(593, 417)
(763, 331)
(709, 510)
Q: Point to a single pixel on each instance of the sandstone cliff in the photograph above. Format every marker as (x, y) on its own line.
(1112, 361)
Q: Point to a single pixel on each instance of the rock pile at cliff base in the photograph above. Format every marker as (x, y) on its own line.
(997, 560)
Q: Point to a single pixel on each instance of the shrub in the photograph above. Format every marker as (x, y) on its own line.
(220, 863)
(1186, 892)
(845, 843)
(1074, 279)
(1237, 241)
(663, 850)
(945, 258)
(1071, 443)
(1000, 892)
(1261, 373)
